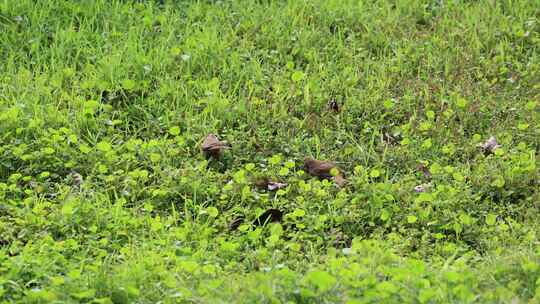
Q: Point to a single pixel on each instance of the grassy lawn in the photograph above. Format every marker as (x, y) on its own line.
(428, 110)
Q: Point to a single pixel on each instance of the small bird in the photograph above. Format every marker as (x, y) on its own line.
(267, 184)
(422, 188)
(77, 179)
(490, 145)
(212, 146)
(334, 106)
(236, 222)
(322, 169)
(425, 170)
(270, 215)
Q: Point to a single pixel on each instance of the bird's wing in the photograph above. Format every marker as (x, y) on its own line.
(324, 167)
(211, 142)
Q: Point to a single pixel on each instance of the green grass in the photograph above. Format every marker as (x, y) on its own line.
(122, 93)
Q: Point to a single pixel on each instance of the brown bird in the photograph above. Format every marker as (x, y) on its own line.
(322, 169)
(270, 215)
(212, 146)
(77, 179)
(490, 145)
(266, 184)
(334, 106)
(425, 170)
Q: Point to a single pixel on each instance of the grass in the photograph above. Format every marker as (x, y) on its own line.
(105, 196)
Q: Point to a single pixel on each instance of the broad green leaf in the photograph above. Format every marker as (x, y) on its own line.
(104, 146)
(322, 279)
(297, 76)
(212, 211)
(411, 219)
(491, 219)
(175, 131)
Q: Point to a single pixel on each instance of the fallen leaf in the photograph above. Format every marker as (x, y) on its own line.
(270, 215)
(490, 145)
(213, 147)
(322, 169)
